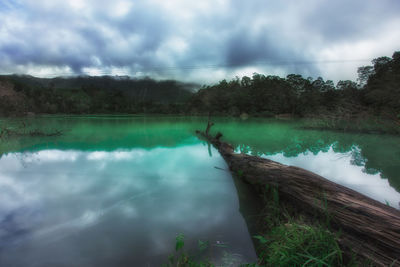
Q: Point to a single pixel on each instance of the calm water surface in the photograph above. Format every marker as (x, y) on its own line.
(115, 191)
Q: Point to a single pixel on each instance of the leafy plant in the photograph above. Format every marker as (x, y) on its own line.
(180, 242)
(182, 259)
(202, 245)
(261, 239)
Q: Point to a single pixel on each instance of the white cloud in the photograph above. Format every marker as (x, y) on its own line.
(121, 8)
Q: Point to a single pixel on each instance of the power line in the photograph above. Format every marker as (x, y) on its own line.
(277, 62)
(217, 66)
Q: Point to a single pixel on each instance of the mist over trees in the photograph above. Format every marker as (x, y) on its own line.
(376, 92)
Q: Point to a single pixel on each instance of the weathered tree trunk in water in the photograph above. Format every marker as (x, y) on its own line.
(369, 228)
(209, 124)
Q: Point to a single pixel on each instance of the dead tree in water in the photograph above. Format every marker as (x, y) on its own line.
(369, 228)
(209, 124)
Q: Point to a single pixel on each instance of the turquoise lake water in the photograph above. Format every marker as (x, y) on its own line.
(118, 190)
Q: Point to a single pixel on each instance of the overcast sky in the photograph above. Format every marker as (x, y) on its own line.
(202, 41)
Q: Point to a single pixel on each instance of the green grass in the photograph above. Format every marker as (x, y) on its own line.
(289, 244)
(294, 244)
(285, 239)
(182, 259)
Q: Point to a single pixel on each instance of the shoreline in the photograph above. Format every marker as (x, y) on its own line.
(365, 125)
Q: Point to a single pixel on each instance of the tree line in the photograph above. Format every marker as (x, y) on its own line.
(376, 92)
(22, 94)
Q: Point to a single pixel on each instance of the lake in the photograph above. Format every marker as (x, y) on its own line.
(116, 191)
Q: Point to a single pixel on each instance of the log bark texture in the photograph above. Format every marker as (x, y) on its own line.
(369, 228)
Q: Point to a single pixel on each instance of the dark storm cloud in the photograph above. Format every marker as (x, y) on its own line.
(168, 38)
(244, 49)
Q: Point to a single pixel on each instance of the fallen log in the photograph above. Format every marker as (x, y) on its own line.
(369, 229)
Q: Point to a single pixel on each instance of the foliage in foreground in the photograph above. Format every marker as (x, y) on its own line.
(294, 244)
(182, 259)
(285, 241)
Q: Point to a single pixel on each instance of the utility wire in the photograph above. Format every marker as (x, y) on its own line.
(217, 66)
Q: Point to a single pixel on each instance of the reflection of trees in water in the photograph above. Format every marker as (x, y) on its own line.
(376, 153)
(373, 152)
(384, 159)
(293, 147)
(108, 133)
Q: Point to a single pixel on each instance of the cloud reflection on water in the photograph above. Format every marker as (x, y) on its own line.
(128, 204)
(91, 207)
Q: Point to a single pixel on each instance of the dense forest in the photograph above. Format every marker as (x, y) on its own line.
(22, 94)
(376, 92)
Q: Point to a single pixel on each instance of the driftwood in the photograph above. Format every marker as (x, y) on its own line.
(369, 229)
